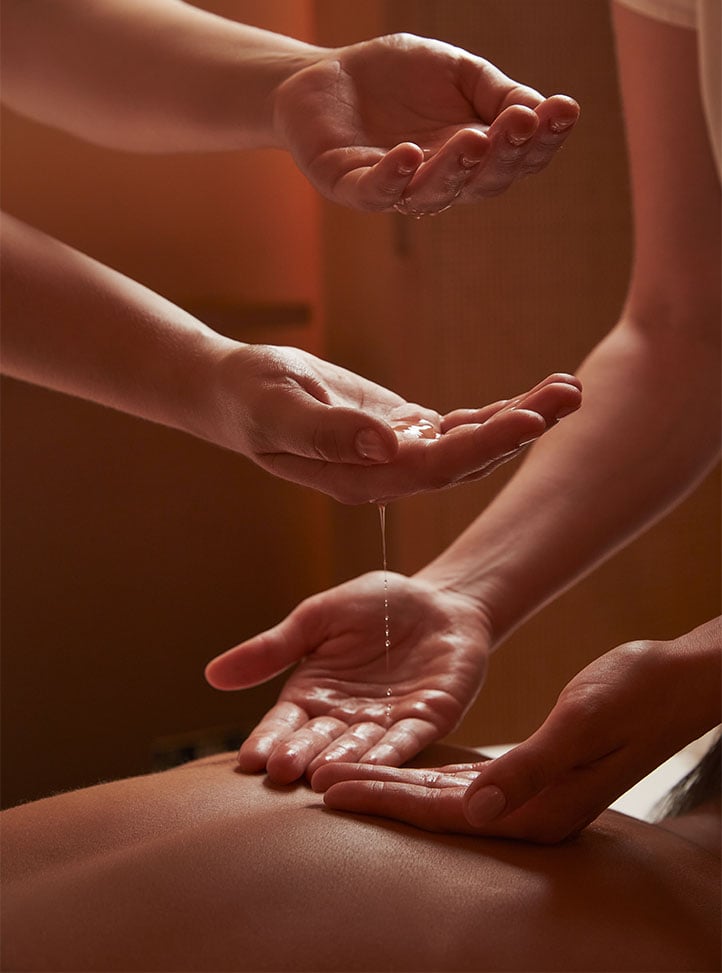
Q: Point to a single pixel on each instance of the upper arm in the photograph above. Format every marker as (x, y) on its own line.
(675, 185)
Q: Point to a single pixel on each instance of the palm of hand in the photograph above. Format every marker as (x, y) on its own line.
(413, 92)
(425, 674)
(396, 99)
(345, 701)
(376, 94)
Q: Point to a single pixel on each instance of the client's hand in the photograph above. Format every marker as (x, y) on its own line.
(413, 123)
(613, 724)
(335, 706)
(306, 420)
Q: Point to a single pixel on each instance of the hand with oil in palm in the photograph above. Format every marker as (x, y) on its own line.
(415, 124)
(336, 705)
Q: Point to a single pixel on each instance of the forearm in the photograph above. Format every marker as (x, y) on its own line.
(73, 325)
(647, 432)
(146, 75)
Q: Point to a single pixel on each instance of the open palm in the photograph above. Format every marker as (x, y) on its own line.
(347, 700)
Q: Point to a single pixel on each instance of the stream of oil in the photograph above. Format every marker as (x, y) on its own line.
(387, 628)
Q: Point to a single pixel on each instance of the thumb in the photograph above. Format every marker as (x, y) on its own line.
(560, 745)
(259, 658)
(338, 434)
(506, 783)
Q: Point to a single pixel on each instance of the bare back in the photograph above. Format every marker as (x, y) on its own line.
(202, 868)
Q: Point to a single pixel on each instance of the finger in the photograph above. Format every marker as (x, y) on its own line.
(401, 742)
(333, 773)
(552, 401)
(491, 91)
(440, 180)
(562, 382)
(380, 187)
(336, 434)
(511, 137)
(557, 117)
(556, 396)
(470, 450)
(349, 747)
(368, 178)
(430, 808)
(277, 725)
(290, 758)
(565, 807)
(261, 657)
(462, 417)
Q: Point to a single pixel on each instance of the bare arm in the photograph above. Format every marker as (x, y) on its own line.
(73, 325)
(398, 120)
(649, 428)
(146, 75)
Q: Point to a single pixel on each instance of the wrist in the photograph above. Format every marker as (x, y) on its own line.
(283, 97)
(210, 407)
(472, 584)
(486, 581)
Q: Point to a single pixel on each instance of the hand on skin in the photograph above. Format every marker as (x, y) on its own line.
(417, 124)
(614, 723)
(335, 705)
(314, 423)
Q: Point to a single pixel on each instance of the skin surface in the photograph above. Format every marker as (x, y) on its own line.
(202, 868)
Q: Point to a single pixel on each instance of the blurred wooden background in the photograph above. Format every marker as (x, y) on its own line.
(133, 554)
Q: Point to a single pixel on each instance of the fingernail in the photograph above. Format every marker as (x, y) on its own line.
(561, 124)
(517, 139)
(485, 805)
(468, 163)
(369, 445)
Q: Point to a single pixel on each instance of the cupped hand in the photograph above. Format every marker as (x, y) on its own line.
(348, 699)
(613, 724)
(314, 423)
(415, 124)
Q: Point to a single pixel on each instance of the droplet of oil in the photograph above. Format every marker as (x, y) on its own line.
(387, 627)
